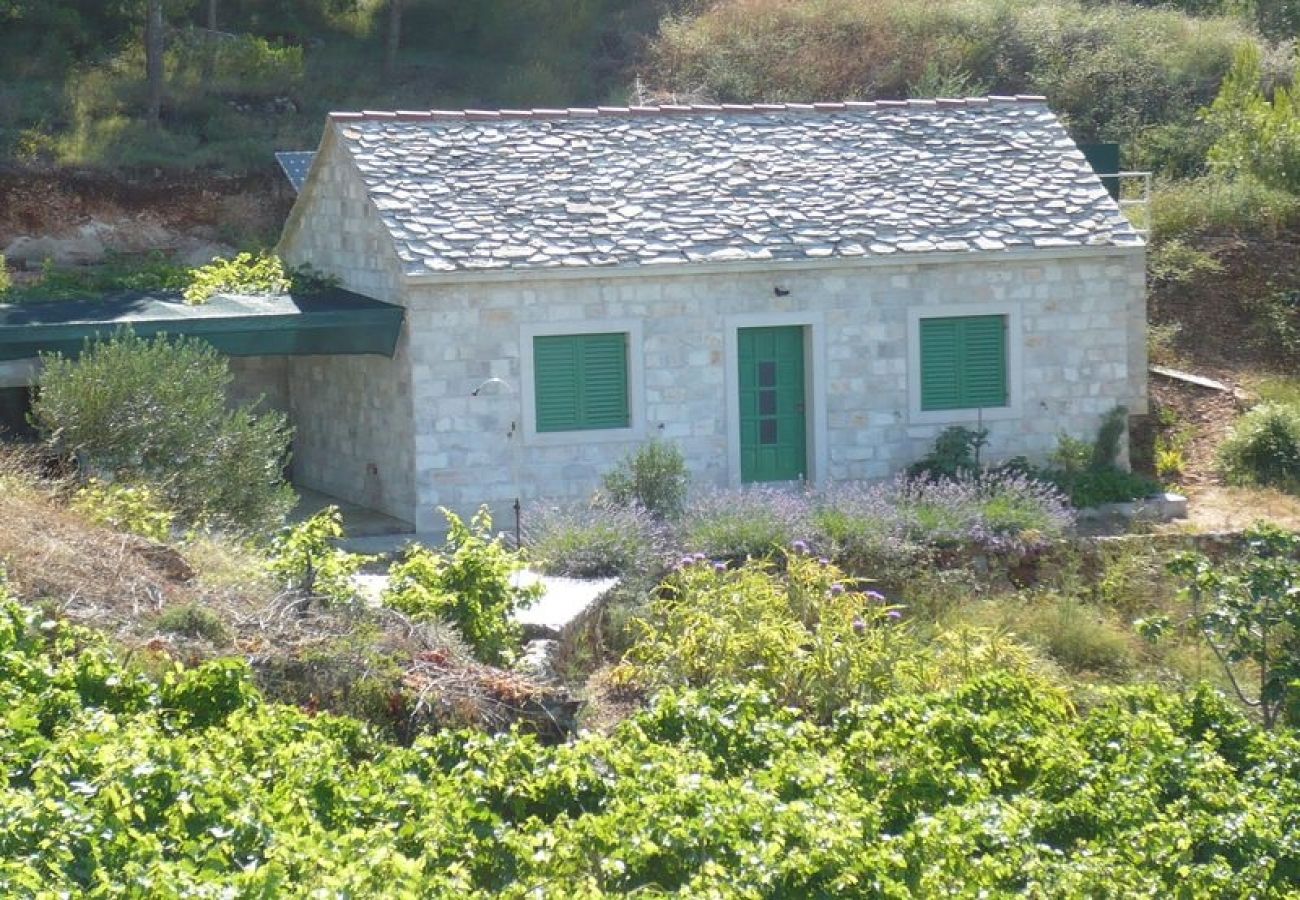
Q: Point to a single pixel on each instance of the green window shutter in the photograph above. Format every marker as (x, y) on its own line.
(963, 363)
(984, 362)
(580, 381)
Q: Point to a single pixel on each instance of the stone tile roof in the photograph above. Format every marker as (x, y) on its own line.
(578, 188)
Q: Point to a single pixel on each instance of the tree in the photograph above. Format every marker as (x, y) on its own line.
(153, 60)
(1249, 615)
(393, 38)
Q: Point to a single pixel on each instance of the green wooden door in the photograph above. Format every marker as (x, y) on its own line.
(773, 426)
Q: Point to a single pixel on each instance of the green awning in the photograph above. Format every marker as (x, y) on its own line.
(330, 322)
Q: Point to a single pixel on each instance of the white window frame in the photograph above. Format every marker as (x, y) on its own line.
(636, 429)
(1015, 364)
(815, 388)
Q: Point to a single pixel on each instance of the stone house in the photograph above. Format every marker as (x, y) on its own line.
(784, 291)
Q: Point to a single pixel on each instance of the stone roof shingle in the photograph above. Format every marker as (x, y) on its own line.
(642, 186)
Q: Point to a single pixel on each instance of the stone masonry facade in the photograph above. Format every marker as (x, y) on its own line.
(1077, 333)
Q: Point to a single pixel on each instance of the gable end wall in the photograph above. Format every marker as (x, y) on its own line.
(351, 414)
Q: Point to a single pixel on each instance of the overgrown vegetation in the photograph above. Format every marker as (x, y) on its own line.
(125, 507)
(469, 585)
(1264, 447)
(304, 556)
(259, 273)
(995, 783)
(155, 412)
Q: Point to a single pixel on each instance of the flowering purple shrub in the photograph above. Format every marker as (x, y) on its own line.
(862, 526)
(594, 540)
(870, 526)
(753, 521)
(1000, 511)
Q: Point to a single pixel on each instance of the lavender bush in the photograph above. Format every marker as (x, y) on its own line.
(595, 540)
(862, 527)
(754, 521)
(1001, 511)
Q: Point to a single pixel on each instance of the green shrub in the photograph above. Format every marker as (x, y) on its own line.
(242, 66)
(154, 412)
(470, 584)
(194, 621)
(1088, 472)
(807, 636)
(595, 541)
(1215, 204)
(1257, 137)
(1093, 487)
(134, 508)
(1274, 317)
(247, 273)
(654, 477)
(6, 282)
(1176, 262)
(1263, 448)
(956, 452)
(1248, 611)
(304, 557)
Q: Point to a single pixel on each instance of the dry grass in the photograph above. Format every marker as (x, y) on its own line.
(219, 599)
(1219, 508)
(94, 575)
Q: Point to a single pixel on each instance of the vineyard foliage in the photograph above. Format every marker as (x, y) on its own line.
(185, 783)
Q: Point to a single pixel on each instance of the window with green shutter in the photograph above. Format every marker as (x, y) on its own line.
(580, 381)
(963, 362)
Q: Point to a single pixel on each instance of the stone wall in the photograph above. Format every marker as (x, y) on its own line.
(265, 377)
(1079, 338)
(336, 229)
(352, 429)
(351, 414)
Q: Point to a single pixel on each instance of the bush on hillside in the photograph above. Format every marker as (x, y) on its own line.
(134, 508)
(154, 412)
(1217, 204)
(1256, 136)
(1263, 448)
(809, 635)
(1112, 70)
(305, 558)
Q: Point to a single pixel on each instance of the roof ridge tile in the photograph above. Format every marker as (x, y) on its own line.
(680, 109)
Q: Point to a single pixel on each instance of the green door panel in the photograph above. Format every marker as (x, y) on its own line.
(773, 420)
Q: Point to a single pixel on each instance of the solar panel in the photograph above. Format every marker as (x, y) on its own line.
(296, 165)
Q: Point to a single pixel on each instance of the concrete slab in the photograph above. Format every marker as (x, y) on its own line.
(358, 521)
(565, 599)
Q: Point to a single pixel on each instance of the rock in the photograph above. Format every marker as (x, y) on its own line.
(84, 249)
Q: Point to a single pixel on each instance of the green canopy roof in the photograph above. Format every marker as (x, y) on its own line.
(329, 322)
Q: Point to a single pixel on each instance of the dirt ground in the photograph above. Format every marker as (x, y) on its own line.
(1219, 337)
(143, 213)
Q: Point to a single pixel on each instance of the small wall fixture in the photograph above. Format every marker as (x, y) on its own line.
(781, 292)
